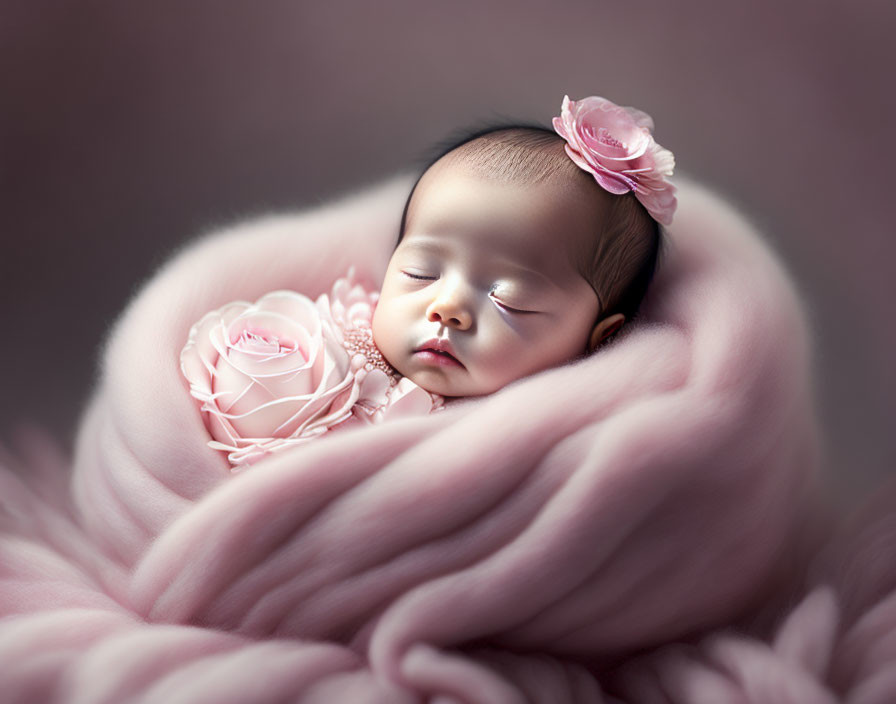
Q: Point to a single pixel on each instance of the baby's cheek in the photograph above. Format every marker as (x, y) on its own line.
(505, 356)
(384, 336)
(524, 350)
(377, 324)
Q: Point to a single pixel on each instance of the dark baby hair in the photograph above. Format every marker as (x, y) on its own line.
(625, 250)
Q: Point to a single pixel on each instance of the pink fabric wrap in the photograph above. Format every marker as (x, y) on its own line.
(520, 547)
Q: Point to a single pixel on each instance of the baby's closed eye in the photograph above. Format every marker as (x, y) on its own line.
(504, 305)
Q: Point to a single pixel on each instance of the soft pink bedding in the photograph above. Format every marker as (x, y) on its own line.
(639, 526)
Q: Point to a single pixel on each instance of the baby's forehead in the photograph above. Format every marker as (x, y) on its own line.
(469, 162)
(454, 189)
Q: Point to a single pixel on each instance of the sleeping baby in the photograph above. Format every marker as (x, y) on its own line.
(520, 249)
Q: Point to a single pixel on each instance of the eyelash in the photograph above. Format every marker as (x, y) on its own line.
(504, 306)
(418, 277)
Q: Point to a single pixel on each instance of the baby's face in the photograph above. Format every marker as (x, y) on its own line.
(483, 289)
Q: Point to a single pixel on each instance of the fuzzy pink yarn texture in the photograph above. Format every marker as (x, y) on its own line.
(636, 526)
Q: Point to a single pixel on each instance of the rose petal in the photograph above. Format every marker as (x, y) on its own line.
(374, 389)
(611, 134)
(640, 118)
(408, 399)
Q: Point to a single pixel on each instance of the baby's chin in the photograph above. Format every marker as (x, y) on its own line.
(437, 382)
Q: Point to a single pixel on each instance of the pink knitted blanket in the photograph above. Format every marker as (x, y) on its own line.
(623, 528)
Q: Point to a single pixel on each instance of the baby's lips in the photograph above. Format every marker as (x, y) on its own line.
(439, 346)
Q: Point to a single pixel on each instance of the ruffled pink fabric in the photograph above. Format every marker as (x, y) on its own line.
(631, 527)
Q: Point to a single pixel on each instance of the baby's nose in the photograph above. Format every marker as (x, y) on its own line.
(449, 308)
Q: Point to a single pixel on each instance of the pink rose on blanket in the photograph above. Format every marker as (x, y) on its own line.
(615, 144)
(268, 375)
(284, 370)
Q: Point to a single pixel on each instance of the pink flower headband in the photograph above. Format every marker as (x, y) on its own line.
(615, 145)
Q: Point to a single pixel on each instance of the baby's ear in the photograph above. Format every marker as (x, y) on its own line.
(604, 329)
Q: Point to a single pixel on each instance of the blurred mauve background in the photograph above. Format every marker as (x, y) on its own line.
(128, 129)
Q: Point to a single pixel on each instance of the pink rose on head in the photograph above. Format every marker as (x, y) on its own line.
(268, 375)
(615, 145)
